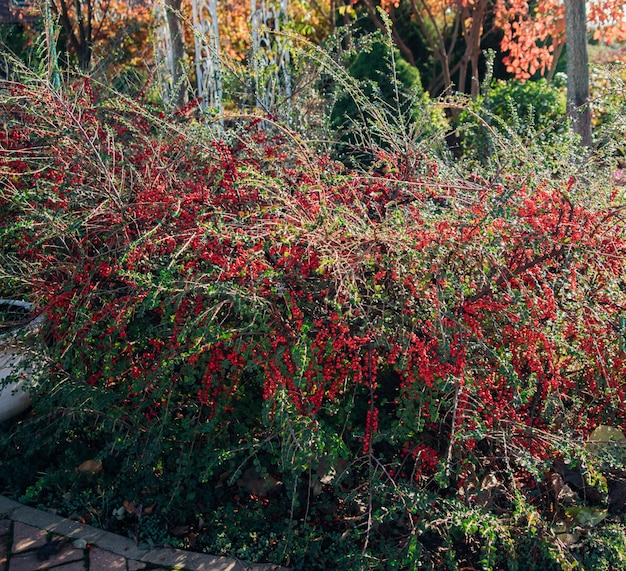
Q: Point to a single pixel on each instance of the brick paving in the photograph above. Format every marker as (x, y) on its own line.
(33, 540)
(28, 548)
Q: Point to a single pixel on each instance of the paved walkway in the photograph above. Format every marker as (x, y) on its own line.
(33, 540)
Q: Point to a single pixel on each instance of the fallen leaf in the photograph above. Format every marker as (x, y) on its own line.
(488, 488)
(607, 441)
(327, 471)
(90, 466)
(605, 433)
(568, 539)
(180, 530)
(129, 506)
(256, 485)
(149, 510)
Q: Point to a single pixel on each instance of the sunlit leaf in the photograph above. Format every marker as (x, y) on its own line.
(607, 434)
(586, 516)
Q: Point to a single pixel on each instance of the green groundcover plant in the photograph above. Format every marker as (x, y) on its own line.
(253, 350)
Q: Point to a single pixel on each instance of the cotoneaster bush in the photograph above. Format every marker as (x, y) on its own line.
(273, 357)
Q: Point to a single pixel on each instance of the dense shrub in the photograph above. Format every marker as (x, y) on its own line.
(293, 362)
(383, 98)
(517, 112)
(608, 92)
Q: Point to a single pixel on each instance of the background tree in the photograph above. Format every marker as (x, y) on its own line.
(578, 69)
(534, 36)
(529, 36)
(88, 25)
(442, 25)
(314, 20)
(77, 21)
(173, 14)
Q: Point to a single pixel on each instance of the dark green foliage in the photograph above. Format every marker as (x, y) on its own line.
(12, 38)
(387, 99)
(513, 110)
(603, 549)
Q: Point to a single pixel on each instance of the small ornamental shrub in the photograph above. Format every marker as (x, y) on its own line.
(608, 92)
(383, 105)
(258, 352)
(515, 111)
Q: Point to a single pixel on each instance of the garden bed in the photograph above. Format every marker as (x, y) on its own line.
(255, 351)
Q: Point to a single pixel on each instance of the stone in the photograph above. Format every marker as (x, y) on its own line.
(29, 562)
(28, 537)
(4, 547)
(101, 560)
(5, 526)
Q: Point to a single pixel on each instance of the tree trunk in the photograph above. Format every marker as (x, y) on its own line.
(578, 69)
(175, 27)
(76, 27)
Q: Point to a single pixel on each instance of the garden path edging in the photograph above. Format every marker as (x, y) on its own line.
(123, 546)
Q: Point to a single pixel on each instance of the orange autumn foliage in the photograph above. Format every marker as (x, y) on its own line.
(124, 34)
(114, 31)
(608, 19)
(532, 36)
(234, 22)
(311, 19)
(530, 40)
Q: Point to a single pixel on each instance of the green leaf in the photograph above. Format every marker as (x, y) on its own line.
(586, 516)
(607, 434)
(607, 441)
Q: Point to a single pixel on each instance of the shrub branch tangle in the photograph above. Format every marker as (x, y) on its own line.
(239, 324)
